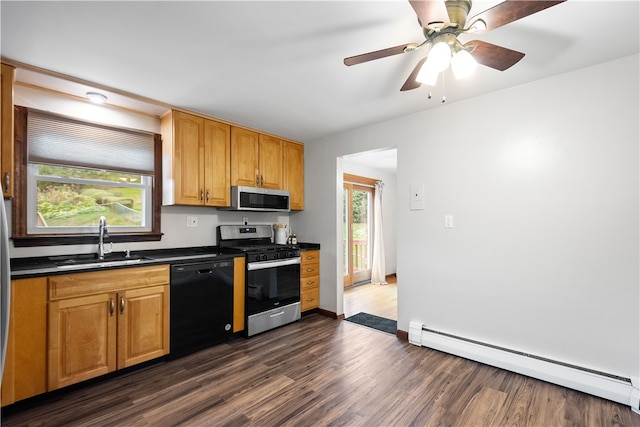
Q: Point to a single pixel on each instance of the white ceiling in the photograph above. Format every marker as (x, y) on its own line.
(277, 66)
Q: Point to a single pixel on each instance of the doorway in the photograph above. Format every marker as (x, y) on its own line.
(357, 227)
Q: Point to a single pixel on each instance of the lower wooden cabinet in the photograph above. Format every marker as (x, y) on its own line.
(25, 368)
(106, 320)
(238, 293)
(309, 280)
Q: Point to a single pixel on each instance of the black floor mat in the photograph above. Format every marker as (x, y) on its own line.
(375, 322)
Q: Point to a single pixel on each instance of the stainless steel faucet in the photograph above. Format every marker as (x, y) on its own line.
(102, 233)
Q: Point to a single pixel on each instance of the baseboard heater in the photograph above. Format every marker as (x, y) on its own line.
(612, 387)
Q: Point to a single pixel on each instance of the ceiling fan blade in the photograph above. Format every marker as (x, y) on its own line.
(411, 82)
(511, 10)
(365, 57)
(494, 56)
(430, 11)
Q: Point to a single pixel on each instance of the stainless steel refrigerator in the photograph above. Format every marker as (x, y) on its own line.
(5, 285)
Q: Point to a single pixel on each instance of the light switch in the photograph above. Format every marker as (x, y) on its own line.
(417, 196)
(448, 221)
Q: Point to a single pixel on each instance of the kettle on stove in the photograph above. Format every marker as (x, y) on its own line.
(281, 234)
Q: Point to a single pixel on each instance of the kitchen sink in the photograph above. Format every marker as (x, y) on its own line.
(74, 262)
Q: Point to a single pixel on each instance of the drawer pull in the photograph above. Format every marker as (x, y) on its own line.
(121, 305)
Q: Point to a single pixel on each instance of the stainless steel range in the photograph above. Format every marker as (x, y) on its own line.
(272, 279)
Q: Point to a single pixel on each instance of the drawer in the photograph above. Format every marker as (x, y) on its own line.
(309, 257)
(309, 269)
(309, 298)
(309, 282)
(109, 280)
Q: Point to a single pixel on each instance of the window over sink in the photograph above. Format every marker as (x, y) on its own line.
(72, 172)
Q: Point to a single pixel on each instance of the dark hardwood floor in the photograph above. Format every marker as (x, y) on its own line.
(322, 372)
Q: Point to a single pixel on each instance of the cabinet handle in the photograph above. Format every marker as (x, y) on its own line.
(6, 182)
(207, 197)
(112, 306)
(121, 305)
(261, 180)
(201, 194)
(257, 180)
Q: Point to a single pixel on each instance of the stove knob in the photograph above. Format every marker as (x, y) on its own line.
(263, 257)
(276, 255)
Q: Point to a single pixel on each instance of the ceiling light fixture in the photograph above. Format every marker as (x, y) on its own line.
(446, 50)
(96, 98)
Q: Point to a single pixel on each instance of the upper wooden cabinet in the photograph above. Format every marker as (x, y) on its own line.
(293, 173)
(203, 158)
(256, 159)
(196, 158)
(6, 129)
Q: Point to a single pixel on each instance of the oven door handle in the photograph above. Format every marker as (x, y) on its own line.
(272, 264)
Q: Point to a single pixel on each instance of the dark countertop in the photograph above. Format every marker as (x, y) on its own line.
(63, 264)
(22, 268)
(305, 246)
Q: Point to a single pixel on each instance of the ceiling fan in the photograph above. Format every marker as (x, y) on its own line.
(442, 21)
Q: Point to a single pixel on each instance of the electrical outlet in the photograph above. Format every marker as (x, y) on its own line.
(192, 221)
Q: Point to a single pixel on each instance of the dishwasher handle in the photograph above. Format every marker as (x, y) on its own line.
(206, 271)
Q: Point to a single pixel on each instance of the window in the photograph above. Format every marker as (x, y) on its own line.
(74, 172)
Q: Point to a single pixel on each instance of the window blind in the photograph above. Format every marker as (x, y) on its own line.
(61, 141)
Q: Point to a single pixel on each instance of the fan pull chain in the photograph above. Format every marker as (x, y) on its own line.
(444, 98)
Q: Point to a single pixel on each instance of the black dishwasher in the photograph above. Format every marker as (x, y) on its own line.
(201, 305)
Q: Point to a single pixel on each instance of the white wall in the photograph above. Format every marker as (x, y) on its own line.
(388, 207)
(543, 183)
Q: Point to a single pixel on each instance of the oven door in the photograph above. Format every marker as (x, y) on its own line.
(272, 284)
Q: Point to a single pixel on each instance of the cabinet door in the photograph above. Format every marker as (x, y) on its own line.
(143, 325)
(238, 294)
(25, 368)
(244, 157)
(217, 163)
(6, 129)
(188, 159)
(270, 168)
(293, 173)
(82, 339)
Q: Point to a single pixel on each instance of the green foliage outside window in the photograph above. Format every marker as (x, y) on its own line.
(78, 204)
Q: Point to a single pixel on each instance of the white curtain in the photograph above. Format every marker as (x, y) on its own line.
(377, 266)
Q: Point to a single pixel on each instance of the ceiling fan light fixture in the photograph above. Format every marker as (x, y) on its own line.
(463, 64)
(439, 57)
(427, 75)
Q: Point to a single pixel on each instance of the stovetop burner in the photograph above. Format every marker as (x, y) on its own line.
(254, 241)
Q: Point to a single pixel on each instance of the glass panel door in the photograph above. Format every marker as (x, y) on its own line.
(357, 216)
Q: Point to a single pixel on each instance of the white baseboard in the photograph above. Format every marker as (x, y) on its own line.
(610, 387)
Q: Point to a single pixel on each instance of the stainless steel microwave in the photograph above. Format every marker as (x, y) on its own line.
(259, 199)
